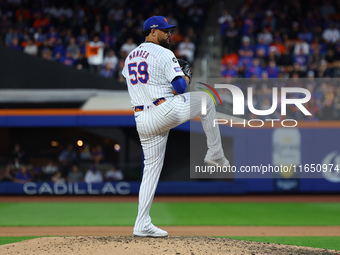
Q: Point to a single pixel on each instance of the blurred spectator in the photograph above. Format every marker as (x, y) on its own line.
(81, 62)
(85, 153)
(49, 170)
(58, 177)
(20, 23)
(171, 19)
(282, 23)
(41, 21)
(95, 54)
(9, 174)
(107, 71)
(73, 48)
(272, 70)
(15, 44)
(330, 58)
(127, 47)
(39, 36)
(11, 34)
(47, 54)
(117, 13)
(336, 70)
(331, 35)
(230, 71)
(75, 175)
(108, 38)
(224, 20)
(97, 25)
(305, 35)
(112, 59)
(31, 48)
(286, 61)
(114, 174)
(273, 55)
(195, 16)
(93, 175)
(58, 50)
(313, 108)
(327, 9)
(248, 24)
(294, 31)
(269, 21)
(231, 38)
(186, 50)
(265, 36)
(280, 48)
(246, 49)
(53, 36)
(193, 36)
(129, 21)
(175, 38)
(98, 154)
(233, 58)
(23, 175)
(254, 70)
(37, 175)
(67, 158)
(5, 24)
(18, 156)
(262, 45)
(314, 60)
(82, 37)
(301, 47)
(68, 60)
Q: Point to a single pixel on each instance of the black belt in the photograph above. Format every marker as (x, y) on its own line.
(156, 102)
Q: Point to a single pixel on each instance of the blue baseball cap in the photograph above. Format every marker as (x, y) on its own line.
(156, 22)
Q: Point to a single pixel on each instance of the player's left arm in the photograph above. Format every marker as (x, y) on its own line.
(174, 72)
(186, 69)
(179, 84)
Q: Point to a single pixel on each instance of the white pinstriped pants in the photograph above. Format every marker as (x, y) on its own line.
(153, 126)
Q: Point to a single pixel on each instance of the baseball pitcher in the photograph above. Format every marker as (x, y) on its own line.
(152, 74)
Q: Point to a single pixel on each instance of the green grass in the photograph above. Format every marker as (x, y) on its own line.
(14, 239)
(324, 242)
(124, 214)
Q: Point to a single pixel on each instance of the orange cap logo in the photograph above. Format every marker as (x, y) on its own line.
(165, 20)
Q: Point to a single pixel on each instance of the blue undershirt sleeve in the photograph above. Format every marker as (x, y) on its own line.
(179, 84)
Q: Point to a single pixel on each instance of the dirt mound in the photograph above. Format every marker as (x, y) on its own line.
(126, 245)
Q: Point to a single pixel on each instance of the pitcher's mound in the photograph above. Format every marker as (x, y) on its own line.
(176, 245)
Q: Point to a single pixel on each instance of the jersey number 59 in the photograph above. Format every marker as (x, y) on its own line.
(142, 70)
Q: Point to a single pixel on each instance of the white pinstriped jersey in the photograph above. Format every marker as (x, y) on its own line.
(149, 70)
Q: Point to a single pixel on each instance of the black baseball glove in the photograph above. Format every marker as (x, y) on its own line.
(185, 68)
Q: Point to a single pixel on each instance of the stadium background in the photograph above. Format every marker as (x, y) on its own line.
(50, 99)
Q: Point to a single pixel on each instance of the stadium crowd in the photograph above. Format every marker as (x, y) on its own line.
(95, 35)
(84, 165)
(261, 39)
(286, 39)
